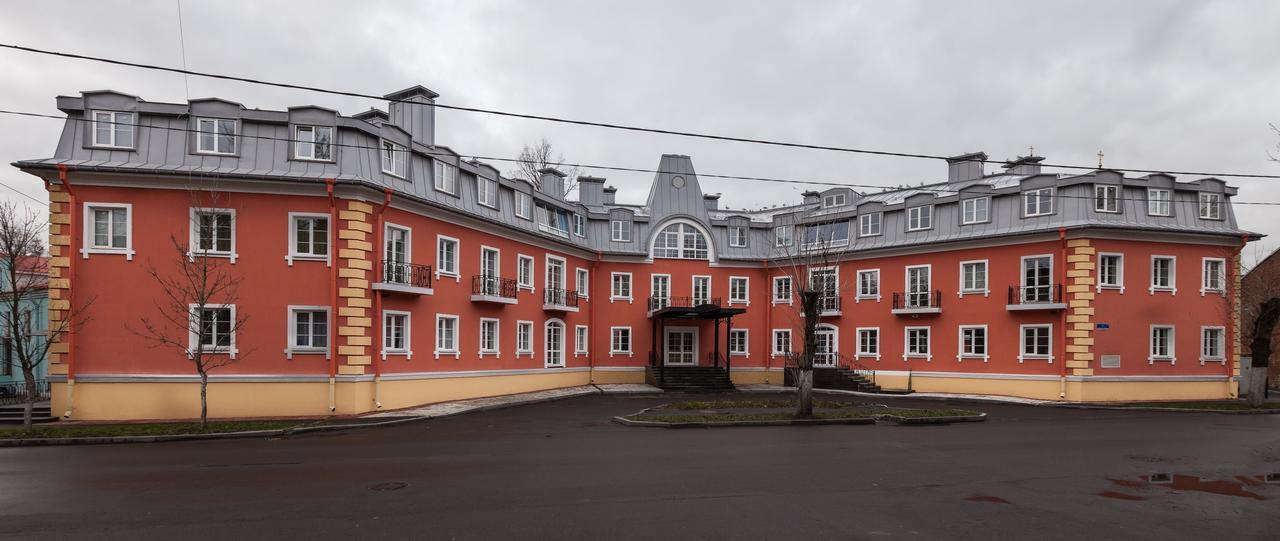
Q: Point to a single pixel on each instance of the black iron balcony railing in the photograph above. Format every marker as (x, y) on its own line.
(493, 286)
(917, 300)
(560, 297)
(829, 303)
(408, 274)
(658, 303)
(16, 392)
(1042, 294)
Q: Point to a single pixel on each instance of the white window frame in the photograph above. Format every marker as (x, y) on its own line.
(581, 341)
(1040, 196)
(193, 335)
(579, 225)
(524, 325)
(546, 344)
(407, 350)
(530, 285)
(746, 343)
(445, 177)
(620, 230)
(457, 336)
(783, 235)
(88, 237)
(613, 287)
(859, 296)
(524, 205)
(486, 192)
(906, 285)
(790, 290)
(193, 239)
(216, 151)
(986, 278)
(582, 282)
(1204, 276)
(299, 144)
(1109, 196)
(399, 166)
(861, 353)
(737, 236)
(496, 350)
(1222, 344)
(1022, 276)
(1119, 271)
(865, 223)
(928, 343)
(917, 215)
(773, 342)
(1172, 357)
(1201, 205)
(834, 200)
(614, 351)
(653, 282)
(457, 255)
(1022, 343)
(293, 253)
(746, 290)
(1172, 288)
(973, 201)
(290, 348)
(115, 124)
(961, 354)
(1154, 205)
(546, 275)
(693, 290)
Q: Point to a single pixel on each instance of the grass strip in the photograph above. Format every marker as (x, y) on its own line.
(142, 429)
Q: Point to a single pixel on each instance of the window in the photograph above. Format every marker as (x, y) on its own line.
(1214, 277)
(446, 177)
(917, 343)
(556, 290)
(1161, 344)
(869, 342)
(582, 282)
(308, 236)
(214, 329)
(446, 335)
(394, 159)
(782, 236)
(919, 218)
(580, 340)
(1158, 202)
(869, 284)
(1037, 202)
(213, 232)
(524, 272)
(313, 143)
(680, 241)
(781, 290)
(108, 228)
(738, 290)
(488, 336)
(973, 342)
(487, 192)
(737, 236)
(552, 220)
(1162, 273)
(834, 200)
(446, 256)
(781, 341)
(1036, 342)
(869, 224)
(918, 281)
(827, 281)
(216, 136)
(524, 205)
(826, 235)
(1106, 198)
(396, 255)
(1111, 271)
(621, 286)
(620, 340)
(524, 338)
(308, 330)
(701, 290)
(975, 210)
(1211, 206)
(579, 225)
(1037, 279)
(555, 344)
(659, 291)
(738, 342)
(112, 129)
(620, 230)
(395, 333)
(973, 277)
(1213, 344)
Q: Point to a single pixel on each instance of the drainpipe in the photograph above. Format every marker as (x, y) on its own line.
(377, 301)
(1062, 380)
(333, 293)
(767, 283)
(591, 290)
(71, 262)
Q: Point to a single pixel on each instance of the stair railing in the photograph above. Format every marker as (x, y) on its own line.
(852, 363)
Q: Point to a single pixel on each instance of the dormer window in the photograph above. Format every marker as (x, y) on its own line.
(826, 235)
(782, 235)
(1037, 202)
(833, 200)
(737, 236)
(920, 218)
(1106, 198)
(620, 230)
(975, 210)
(446, 177)
(680, 241)
(869, 224)
(487, 192)
(1211, 206)
(313, 143)
(1158, 202)
(395, 159)
(216, 136)
(553, 220)
(112, 129)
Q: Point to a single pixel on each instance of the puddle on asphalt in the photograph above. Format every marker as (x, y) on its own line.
(987, 499)
(1120, 496)
(1236, 487)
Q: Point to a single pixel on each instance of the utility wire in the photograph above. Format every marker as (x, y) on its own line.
(926, 188)
(577, 122)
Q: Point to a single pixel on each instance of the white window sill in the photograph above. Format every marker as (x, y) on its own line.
(524, 354)
(447, 353)
(1158, 289)
(972, 292)
(1219, 360)
(1024, 357)
(305, 257)
(290, 352)
(127, 252)
(581, 354)
(742, 354)
(960, 358)
(212, 153)
(622, 353)
(191, 256)
(1204, 292)
(875, 356)
(408, 354)
(491, 353)
(456, 277)
(617, 299)
(927, 357)
(487, 205)
(1154, 360)
(786, 302)
(528, 288)
(743, 303)
(232, 351)
(867, 298)
(1111, 287)
(561, 365)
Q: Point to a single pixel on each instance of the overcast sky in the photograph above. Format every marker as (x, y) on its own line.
(1167, 85)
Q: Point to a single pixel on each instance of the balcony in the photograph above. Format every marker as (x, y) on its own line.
(828, 306)
(690, 308)
(1026, 298)
(404, 278)
(917, 303)
(559, 300)
(493, 289)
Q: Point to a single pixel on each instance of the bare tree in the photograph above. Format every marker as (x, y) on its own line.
(1257, 287)
(542, 155)
(810, 260)
(26, 281)
(199, 289)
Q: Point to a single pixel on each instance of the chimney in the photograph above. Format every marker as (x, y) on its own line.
(965, 166)
(591, 191)
(413, 110)
(1024, 165)
(711, 201)
(810, 197)
(372, 116)
(610, 195)
(551, 182)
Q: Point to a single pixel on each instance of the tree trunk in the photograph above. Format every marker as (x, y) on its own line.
(804, 392)
(809, 301)
(1257, 387)
(204, 400)
(29, 407)
(1263, 326)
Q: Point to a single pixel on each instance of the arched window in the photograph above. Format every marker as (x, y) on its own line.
(555, 343)
(680, 241)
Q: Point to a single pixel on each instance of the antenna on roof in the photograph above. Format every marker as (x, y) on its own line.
(1100, 155)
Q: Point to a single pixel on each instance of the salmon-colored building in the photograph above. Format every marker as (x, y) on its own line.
(380, 271)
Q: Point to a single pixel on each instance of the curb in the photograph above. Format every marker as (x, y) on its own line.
(1272, 411)
(899, 419)
(725, 424)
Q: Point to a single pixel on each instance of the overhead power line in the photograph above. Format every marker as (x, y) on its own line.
(578, 122)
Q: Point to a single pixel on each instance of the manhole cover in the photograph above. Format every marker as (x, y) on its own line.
(391, 485)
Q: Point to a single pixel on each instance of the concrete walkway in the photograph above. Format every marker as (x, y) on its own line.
(456, 407)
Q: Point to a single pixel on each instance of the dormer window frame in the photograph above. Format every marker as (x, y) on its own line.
(399, 159)
(486, 192)
(865, 224)
(445, 177)
(1106, 198)
(966, 211)
(216, 136)
(783, 236)
(1034, 202)
(920, 218)
(620, 230)
(523, 205)
(1156, 204)
(738, 236)
(1209, 201)
(299, 144)
(835, 200)
(115, 125)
